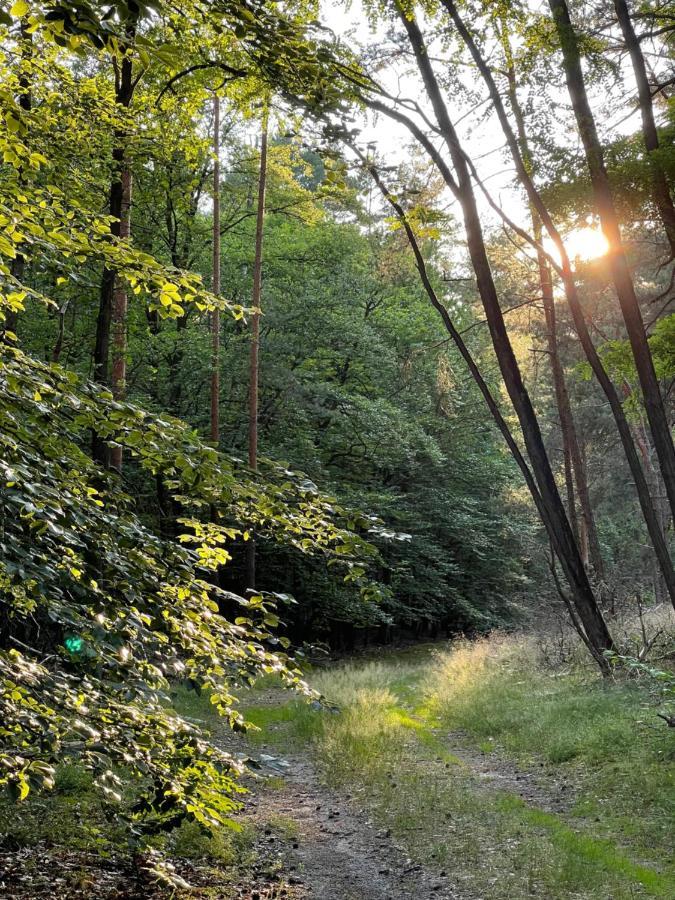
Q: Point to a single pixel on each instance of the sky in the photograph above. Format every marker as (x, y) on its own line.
(392, 142)
(483, 139)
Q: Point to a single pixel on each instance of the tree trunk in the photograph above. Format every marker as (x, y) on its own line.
(557, 522)
(618, 264)
(456, 337)
(255, 335)
(215, 279)
(656, 485)
(660, 189)
(572, 297)
(119, 314)
(18, 264)
(124, 91)
(586, 531)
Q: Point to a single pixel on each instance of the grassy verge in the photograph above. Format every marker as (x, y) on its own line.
(392, 746)
(403, 743)
(605, 736)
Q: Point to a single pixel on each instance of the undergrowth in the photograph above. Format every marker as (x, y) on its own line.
(399, 735)
(392, 743)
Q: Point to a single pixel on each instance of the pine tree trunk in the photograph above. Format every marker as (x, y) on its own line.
(254, 365)
(18, 264)
(119, 316)
(215, 281)
(457, 338)
(585, 531)
(124, 90)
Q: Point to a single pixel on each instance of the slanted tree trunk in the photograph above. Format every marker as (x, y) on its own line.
(660, 189)
(618, 264)
(455, 335)
(254, 366)
(571, 294)
(557, 523)
(586, 531)
(215, 280)
(124, 91)
(588, 534)
(656, 486)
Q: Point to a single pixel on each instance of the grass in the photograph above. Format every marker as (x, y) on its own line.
(71, 815)
(402, 735)
(392, 746)
(605, 735)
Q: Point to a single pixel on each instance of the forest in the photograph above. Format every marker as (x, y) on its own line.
(337, 474)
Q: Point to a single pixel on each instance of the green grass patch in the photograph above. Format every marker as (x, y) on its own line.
(390, 747)
(70, 815)
(604, 736)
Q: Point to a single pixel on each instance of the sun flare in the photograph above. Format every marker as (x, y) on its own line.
(584, 244)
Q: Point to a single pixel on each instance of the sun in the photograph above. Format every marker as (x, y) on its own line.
(584, 244)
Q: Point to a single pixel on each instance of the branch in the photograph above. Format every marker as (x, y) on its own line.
(214, 64)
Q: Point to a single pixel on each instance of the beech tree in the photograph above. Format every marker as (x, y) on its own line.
(99, 611)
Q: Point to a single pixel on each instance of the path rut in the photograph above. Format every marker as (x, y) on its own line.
(338, 853)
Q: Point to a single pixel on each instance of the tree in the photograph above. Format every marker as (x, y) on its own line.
(215, 279)
(99, 609)
(660, 187)
(112, 312)
(521, 157)
(255, 329)
(621, 276)
(555, 519)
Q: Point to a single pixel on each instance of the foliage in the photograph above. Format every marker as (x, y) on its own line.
(115, 587)
(100, 613)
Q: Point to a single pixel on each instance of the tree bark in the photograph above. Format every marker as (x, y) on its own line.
(124, 91)
(660, 189)
(18, 264)
(557, 522)
(586, 531)
(618, 264)
(567, 275)
(119, 314)
(254, 365)
(215, 280)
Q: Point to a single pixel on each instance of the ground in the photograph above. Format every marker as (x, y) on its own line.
(465, 773)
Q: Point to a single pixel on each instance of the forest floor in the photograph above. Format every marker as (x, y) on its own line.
(468, 772)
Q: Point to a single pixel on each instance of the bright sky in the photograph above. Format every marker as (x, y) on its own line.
(484, 140)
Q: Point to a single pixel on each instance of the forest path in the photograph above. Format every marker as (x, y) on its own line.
(390, 799)
(322, 842)
(324, 847)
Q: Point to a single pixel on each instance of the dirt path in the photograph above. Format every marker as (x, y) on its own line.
(320, 843)
(544, 789)
(328, 849)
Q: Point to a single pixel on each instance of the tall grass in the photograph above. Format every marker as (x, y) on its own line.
(391, 745)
